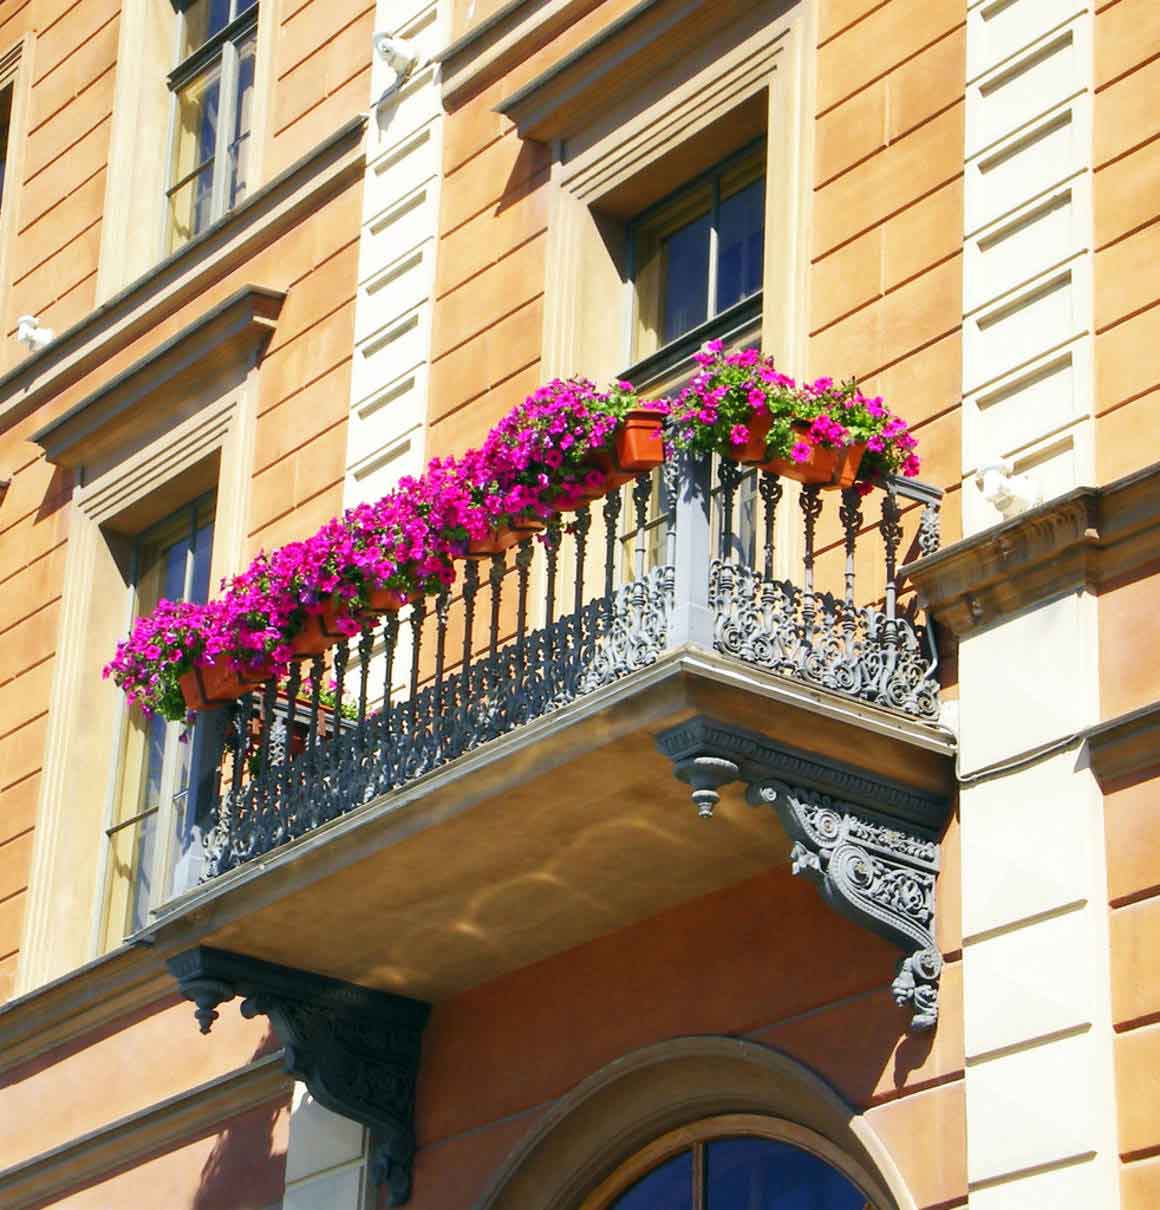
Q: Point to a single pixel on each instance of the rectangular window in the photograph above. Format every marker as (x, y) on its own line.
(156, 835)
(213, 96)
(698, 252)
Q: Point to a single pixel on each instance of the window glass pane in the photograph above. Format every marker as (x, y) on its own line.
(685, 292)
(669, 1187)
(202, 553)
(202, 19)
(671, 269)
(759, 1174)
(740, 244)
(143, 855)
(191, 208)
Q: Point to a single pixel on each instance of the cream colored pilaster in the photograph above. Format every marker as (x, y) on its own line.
(396, 284)
(1037, 1021)
(1027, 299)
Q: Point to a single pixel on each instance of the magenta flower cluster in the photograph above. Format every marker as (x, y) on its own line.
(535, 463)
(734, 394)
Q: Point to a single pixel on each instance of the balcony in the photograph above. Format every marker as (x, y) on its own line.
(476, 668)
(507, 769)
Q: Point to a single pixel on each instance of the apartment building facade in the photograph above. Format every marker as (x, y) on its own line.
(730, 842)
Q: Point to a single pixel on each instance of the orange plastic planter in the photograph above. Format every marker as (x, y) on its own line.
(208, 686)
(318, 634)
(827, 466)
(752, 453)
(503, 537)
(639, 446)
(391, 600)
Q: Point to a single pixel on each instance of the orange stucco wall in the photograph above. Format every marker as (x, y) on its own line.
(240, 1166)
(1127, 234)
(764, 960)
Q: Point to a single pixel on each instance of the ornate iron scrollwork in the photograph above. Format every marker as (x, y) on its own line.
(355, 1049)
(874, 871)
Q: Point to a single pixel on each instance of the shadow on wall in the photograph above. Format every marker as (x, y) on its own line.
(246, 1168)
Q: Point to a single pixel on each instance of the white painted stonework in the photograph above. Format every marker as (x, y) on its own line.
(326, 1165)
(1027, 295)
(396, 275)
(1040, 1092)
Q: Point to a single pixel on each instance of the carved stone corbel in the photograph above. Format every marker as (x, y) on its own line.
(875, 871)
(355, 1049)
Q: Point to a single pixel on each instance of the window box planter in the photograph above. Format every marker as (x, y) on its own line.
(207, 686)
(503, 537)
(830, 467)
(639, 440)
(318, 634)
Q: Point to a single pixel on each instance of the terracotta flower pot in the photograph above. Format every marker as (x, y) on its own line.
(614, 477)
(639, 444)
(318, 633)
(827, 466)
(504, 537)
(207, 686)
(752, 453)
(391, 600)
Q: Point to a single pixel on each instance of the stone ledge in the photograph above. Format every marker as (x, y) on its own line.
(1125, 746)
(1086, 538)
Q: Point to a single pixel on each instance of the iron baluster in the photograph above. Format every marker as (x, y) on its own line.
(386, 743)
(418, 614)
(366, 645)
(523, 568)
(850, 514)
(811, 506)
(470, 591)
(891, 536)
(293, 684)
(494, 686)
(442, 608)
(579, 650)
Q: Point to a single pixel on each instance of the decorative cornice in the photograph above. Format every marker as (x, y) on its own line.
(614, 62)
(355, 1048)
(1125, 746)
(233, 332)
(757, 758)
(132, 1139)
(1086, 538)
(270, 212)
(112, 986)
(501, 40)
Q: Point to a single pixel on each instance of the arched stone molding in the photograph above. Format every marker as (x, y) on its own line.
(625, 1106)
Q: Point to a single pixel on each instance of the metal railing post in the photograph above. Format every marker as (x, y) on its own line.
(692, 617)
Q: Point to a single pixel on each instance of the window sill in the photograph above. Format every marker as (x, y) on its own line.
(735, 323)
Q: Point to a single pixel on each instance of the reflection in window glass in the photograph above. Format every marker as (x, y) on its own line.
(213, 86)
(172, 561)
(740, 240)
(760, 1174)
(667, 1187)
(699, 252)
(686, 272)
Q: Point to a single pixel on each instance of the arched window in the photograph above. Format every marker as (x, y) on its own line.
(736, 1162)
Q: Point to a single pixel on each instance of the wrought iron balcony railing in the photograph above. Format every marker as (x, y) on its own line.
(689, 555)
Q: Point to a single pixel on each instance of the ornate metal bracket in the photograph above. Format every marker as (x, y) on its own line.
(869, 844)
(356, 1049)
(874, 872)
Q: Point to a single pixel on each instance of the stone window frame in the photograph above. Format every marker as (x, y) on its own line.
(180, 420)
(585, 1142)
(771, 52)
(135, 193)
